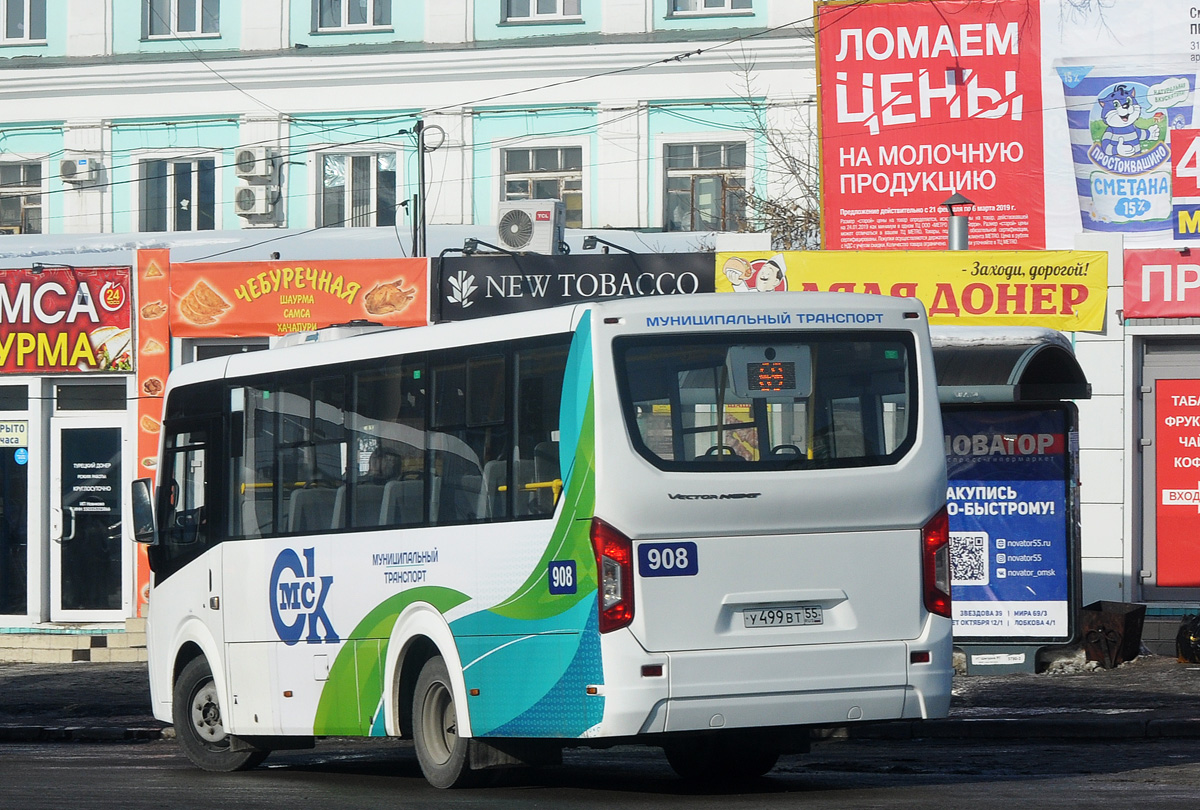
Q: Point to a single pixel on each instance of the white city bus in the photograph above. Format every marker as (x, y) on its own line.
(708, 523)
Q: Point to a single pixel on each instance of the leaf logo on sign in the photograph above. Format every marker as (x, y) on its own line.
(462, 287)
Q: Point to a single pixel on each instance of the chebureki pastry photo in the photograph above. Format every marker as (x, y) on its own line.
(153, 310)
(390, 297)
(202, 304)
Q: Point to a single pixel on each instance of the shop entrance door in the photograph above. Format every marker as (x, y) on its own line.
(88, 563)
(1170, 462)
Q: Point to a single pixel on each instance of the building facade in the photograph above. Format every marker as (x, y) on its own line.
(294, 127)
(131, 115)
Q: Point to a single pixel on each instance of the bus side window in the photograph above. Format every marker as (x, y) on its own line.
(469, 417)
(385, 483)
(538, 389)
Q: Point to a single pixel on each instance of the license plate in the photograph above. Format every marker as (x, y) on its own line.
(788, 616)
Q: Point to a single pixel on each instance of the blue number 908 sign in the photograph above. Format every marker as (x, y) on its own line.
(668, 560)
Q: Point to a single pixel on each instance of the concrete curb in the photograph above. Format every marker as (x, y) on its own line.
(34, 733)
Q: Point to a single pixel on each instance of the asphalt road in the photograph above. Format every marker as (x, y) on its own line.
(840, 774)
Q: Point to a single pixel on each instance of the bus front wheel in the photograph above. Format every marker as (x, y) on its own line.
(440, 750)
(199, 727)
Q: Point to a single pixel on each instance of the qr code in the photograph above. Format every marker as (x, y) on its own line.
(968, 558)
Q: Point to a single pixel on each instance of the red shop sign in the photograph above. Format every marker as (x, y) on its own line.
(66, 320)
(1161, 283)
(1177, 482)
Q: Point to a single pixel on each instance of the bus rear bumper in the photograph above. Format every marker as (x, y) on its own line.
(810, 685)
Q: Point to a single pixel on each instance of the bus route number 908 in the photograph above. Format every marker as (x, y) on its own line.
(677, 559)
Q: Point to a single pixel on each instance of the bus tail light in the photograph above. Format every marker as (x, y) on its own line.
(935, 559)
(614, 563)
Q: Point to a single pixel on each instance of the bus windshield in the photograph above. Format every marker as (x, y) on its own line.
(778, 401)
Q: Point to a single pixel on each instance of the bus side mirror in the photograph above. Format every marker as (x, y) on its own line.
(144, 529)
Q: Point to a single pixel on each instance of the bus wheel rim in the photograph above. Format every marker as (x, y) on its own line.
(206, 714)
(439, 728)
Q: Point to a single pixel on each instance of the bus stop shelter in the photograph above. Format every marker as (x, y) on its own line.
(1012, 461)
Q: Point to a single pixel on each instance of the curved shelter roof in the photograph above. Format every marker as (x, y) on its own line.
(1009, 364)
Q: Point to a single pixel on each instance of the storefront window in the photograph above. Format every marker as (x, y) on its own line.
(14, 514)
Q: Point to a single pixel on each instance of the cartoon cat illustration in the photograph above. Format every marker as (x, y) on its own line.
(1121, 111)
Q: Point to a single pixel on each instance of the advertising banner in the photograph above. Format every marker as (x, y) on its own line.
(245, 299)
(1120, 115)
(1055, 118)
(66, 320)
(1063, 290)
(1177, 481)
(1161, 283)
(919, 101)
(153, 295)
(477, 286)
(1010, 568)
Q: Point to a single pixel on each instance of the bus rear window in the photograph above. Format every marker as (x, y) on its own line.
(728, 402)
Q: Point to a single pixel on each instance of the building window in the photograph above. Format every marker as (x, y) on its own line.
(706, 186)
(710, 6)
(181, 18)
(526, 10)
(358, 191)
(177, 195)
(20, 197)
(335, 15)
(550, 173)
(24, 22)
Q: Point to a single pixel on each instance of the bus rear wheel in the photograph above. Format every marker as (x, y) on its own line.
(199, 728)
(440, 750)
(720, 759)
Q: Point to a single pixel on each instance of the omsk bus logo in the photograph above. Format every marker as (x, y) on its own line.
(298, 599)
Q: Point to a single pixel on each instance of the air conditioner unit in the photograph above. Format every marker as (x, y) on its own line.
(254, 201)
(78, 169)
(254, 162)
(532, 226)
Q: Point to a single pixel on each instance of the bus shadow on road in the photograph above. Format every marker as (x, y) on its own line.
(875, 765)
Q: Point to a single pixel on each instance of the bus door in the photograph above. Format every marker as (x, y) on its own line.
(185, 536)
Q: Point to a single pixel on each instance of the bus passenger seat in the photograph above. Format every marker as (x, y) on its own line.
(545, 470)
(401, 504)
(368, 503)
(523, 474)
(493, 502)
(311, 509)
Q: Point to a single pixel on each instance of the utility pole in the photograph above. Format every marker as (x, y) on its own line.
(420, 245)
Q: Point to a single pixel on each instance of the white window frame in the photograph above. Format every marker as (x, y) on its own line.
(344, 23)
(348, 221)
(140, 191)
(25, 191)
(708, 7)
(698, 139)
(539, 16)
(172, 20)
(26, 9)
(503, 175)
